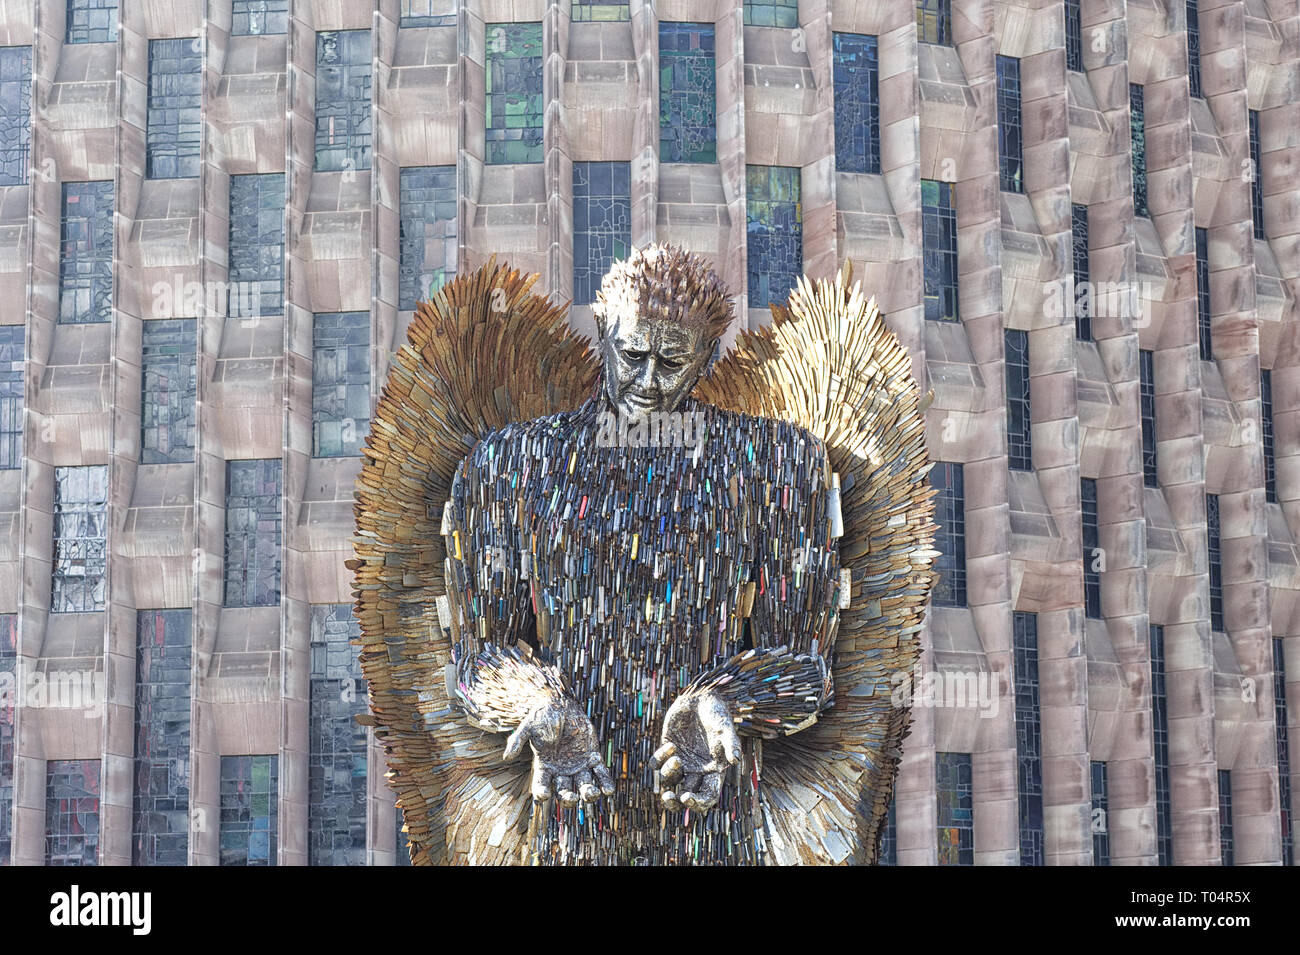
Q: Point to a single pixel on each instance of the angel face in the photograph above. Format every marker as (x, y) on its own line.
(651, 366)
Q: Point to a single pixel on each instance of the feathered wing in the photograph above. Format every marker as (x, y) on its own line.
(484, 352)
(828, 363)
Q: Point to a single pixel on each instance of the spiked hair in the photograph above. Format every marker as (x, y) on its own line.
(664, 282)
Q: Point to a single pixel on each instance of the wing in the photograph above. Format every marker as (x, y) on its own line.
(828, 363)
(485, 351)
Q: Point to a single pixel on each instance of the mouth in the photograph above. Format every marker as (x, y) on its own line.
(640, 402)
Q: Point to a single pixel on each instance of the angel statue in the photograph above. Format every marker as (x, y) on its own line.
(641, 607)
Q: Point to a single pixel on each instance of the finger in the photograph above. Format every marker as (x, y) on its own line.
(707, 795)
(670, 800)
(564, 790)
(671, 769)
(541, 783)
(689, 785)
(587, 790)
(604, 779)
(516, 740)
(730, 745)
(662, 753)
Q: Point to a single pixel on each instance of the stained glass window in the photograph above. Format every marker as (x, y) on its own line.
(1138, 143)
(1100, 814)
(515, 111)
(939, 239)
(1082, 272)
(15, 114)
(1214, 546)
(260, 17)
(1011, 171)
(1092, 557)
(429, 13)
(956, 808)
(1203, 332)
(168, 407)
(340, 383)
(1225, 816)
(583, 11)
(688, 93)
(342, 100)
(80, 566)
(1073, 37)
(602, 223)
(11, 396)
(256, 249)
(856, 72)
(428, 232)
(1147, 396)
(1029, 739)
(888, 854)
(86, 252)
(775, 232)
(1256, 176)
(1193, 48)
(92, 21)
(249, 809)
(174, 124)
(162, 738)
(934, 21)
(1160, 746)
(72, 812)
(1019, 422)
(252, 547)
(336, 783)
(772, 13)
(9, 670)
(1283, 753)
(950, 539)
(1265, 432)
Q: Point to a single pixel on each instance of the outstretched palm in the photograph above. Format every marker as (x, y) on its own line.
(699, 744)
(566, 753)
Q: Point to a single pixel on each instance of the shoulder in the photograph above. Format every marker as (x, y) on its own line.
(516, 439)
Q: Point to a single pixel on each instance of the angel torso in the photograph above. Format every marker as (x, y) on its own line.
(639, 557)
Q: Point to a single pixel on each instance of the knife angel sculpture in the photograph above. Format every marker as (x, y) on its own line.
(633, 605)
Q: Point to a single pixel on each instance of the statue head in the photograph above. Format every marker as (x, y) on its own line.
(659, 314)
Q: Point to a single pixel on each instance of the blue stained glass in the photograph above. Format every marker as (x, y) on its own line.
(1256, 178)
(515, 112)
(174, 124)
(1073, 36)
(343, 65)
(168, 358)
(955, 790)
(86, 253)
(259, 17)
(772, 13)
(1011, 172)
(1138, 143)
(1203, 326)
(1090, 518)
(1160, 746)
(1029, 739)
(939, 250)
(80, 569)
(950, 538)
(256, 247)
(602, 223)
(1215, 561)
(1265, 432)
(15, 114)
(1100, 814)
(688, 98)
(162, 738)
(92, 21)
(1225, 817)
(1283, 753)
(340, 389)
(72, 812)
(252, 543)
(427, 245)
(1147, 398)
(774, 211)
(11, 396)
(336, 781)
(249, 810)
(856, 73)
(1193, 48)
(1019, 421)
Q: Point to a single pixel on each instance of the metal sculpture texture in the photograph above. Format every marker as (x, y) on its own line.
(683, 591)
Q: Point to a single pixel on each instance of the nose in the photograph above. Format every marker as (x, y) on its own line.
(646, 377)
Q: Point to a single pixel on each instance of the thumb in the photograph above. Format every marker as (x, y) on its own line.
(515, 742)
